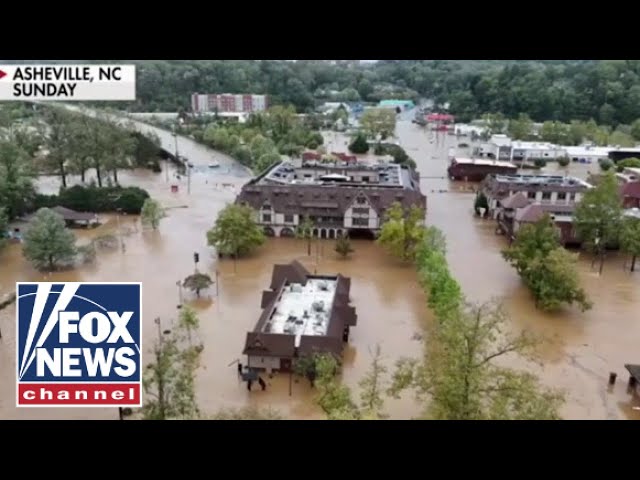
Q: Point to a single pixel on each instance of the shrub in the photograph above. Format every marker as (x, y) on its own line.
(539, 162)
(359, 144)
(94, 199)
(605, 164)
(563, 161)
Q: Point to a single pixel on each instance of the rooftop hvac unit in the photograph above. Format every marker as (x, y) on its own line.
(323, 286)
(296, 288)
(318, 306)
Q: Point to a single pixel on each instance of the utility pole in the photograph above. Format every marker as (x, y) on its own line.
(159, 374)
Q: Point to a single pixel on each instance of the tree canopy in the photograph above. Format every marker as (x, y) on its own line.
(48, 244)
(402, 231)
(235, 231)
(546, 267)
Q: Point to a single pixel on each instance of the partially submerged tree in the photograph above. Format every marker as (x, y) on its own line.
(481, 202)
(197, 282)
(459, 380)
(16, 186)
(4, 227)
(188, 321)
(169, 381)
(598, 216)
(359, 144)
(152, 212)
(334, 398)
(305, 232)
(373, 388)
(402, 231)
(630, 238)
(343, 246)
(47, 242)
(236, 231)
(379, 123)
(247, 413)
(546, 267)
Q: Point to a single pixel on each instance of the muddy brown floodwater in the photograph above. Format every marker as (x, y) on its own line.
(581, 350)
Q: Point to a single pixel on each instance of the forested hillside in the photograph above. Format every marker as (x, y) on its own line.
(607, 91)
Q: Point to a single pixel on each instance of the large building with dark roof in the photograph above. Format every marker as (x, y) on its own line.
(302, 314)
(340, 197)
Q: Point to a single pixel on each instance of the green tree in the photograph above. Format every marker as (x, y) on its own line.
(47, 242)
(444, 293)
(4, 227)
(359, 144)
(152, 212)
(521, 128)
(628, 163)
(459, 379)
(197, 282)
(169, 381)
(378, 123)
(305, 232)
(597, 217)
(564, 161)
(266, 160)
(58, 140)
(403, 231)
(635, 129)
(188, 321)
(235, 231)
(247, 413)
(539, 162)
(343, 246)
(546, 267)
(481, 202)
(629, 238)
(605, 164)
(16, 186)
(372, 388)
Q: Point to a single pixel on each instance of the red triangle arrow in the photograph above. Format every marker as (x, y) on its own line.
(2, 74)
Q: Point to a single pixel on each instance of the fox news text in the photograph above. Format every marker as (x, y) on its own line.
(79, 344)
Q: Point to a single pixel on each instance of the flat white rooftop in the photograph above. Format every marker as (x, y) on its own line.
(542, 180)
(483, 161)
(303, 309)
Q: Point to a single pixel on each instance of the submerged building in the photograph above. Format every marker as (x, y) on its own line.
(515, 200)
(302, 314)
(339, 198)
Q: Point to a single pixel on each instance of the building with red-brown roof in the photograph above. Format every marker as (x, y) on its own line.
(339, 198)
(302, 314)
(630, 192)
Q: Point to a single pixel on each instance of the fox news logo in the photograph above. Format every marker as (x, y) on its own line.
(79, 344)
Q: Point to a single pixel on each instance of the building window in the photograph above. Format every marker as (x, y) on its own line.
(531, 194)
(288, 219)
(361, 200)
(572, 197)
(361, 222)
(562, 196)
(266, 206)
(546, 195)
(360, 211)
(266, 217)
(365, 179)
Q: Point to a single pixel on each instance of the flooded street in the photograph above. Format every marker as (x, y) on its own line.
(581, 350)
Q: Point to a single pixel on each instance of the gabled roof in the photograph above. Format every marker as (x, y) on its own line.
(260, 342)
(529, 214)
(293, 272)
(270, 345)
(72, 215)
(518, 200)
